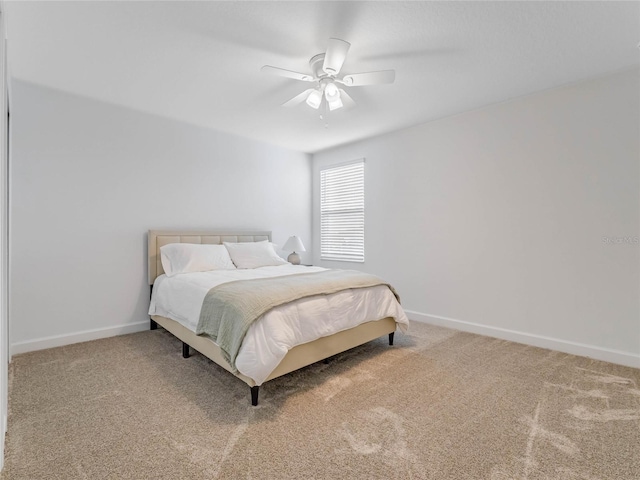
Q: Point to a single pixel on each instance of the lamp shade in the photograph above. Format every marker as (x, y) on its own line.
(314, 99)
(294, 244)
(331, 92)
(335, 104)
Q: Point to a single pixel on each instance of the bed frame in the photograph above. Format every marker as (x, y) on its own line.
(298, 357)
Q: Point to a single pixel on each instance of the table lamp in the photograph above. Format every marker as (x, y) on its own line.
(294, 244)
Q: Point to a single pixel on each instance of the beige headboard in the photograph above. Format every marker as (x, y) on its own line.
(158, 238)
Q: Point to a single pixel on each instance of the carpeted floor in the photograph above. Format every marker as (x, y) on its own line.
(440, 404)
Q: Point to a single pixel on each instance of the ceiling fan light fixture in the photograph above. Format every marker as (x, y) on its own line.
(314, 99)
(331, 92)
(335, 104)
(326, 94)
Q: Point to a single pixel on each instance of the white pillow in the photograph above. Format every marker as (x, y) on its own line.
(194, 257)
(254, 254)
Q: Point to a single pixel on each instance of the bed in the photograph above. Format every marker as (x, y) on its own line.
(296, 357)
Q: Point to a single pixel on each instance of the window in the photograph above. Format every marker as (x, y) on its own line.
(342, 212)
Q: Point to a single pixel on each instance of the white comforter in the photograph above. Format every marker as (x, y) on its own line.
(276, 332)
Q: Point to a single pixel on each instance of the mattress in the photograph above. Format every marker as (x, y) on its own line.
(270, 338)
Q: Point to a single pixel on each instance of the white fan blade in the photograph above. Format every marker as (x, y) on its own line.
(301, 97)
(347, 101)
(335, 56)
(281, 72)
(369, 78)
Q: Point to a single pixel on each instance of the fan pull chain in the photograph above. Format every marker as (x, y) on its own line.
(325, 113)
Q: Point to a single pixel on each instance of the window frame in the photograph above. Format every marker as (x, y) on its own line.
(336, 221)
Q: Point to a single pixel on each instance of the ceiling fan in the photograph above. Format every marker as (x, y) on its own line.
(325, 68)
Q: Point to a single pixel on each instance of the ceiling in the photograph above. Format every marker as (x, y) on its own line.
(199, 62)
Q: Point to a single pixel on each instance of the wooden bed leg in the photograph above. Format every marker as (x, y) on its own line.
(185, 350)
(254, 395)
(391, 338)
(153, 325)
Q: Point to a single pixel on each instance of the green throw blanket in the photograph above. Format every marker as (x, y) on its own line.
(228, 310)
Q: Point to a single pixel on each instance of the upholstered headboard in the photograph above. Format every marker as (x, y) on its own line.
(158, 238)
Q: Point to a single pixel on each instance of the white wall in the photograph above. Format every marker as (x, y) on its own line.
(493, 220)
(89, 179)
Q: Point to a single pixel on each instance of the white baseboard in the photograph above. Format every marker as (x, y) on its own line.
(614, 356)
(599, 353)
(87, 335)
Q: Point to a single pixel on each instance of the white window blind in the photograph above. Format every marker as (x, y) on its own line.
(342, 212)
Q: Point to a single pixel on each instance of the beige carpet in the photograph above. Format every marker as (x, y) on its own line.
(440, 404)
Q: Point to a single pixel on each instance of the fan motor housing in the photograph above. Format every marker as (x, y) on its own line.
(316, 63)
